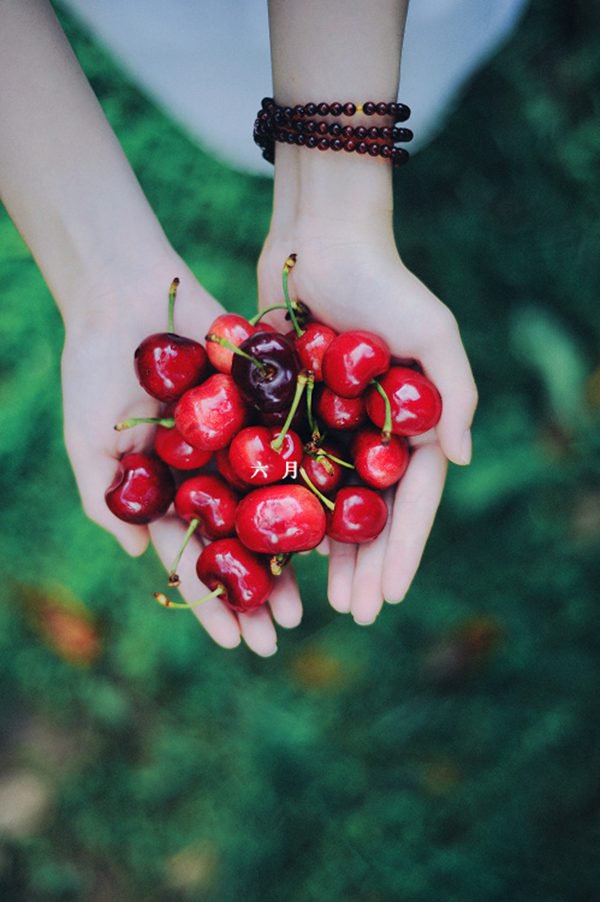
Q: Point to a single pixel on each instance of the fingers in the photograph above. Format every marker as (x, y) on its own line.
(342, 560)
(258, 631)
(219, 621)
(367, 593)
(285, 601)
(447, 365)
(417, 499)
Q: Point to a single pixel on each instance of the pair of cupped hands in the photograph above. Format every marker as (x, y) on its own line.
(348, 281)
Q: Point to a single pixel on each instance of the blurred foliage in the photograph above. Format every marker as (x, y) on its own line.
(451, 750)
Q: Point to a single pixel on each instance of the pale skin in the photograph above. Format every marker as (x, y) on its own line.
(71, 192)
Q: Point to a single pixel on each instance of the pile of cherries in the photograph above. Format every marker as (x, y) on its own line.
(268, 442)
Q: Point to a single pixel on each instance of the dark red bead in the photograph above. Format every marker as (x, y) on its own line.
(350, 145)
(300, 140)
(310, 127)
(360, 132)
(298, 110)
(290, 138)
(386, 150)
(310, 109)
(399, 156)
(349, 109)
(401, 112)
(374, 150)
(312, 141)
(347, 131)
(383, 108)
(337, 144)
(287, 112)
(323, 109)
(335, 108)
(323, 144)
(369, 108)
(386, 132)
(361, 147)
(335, 129)
(322, 128)
(373, 132)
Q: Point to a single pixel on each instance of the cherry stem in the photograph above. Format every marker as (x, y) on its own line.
(278, 562)
(312, 423)
(173, 577)
(166, 602)
(287, 266)
(257, 318)
(172, 294)
(326, 501)
(303, 378)
(225, 343)
(387, 423)
(337, 460)
(167, 422)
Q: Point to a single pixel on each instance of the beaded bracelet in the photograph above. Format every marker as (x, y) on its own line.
(295, 125)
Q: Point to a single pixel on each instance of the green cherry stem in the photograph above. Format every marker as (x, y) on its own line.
(174, 580)
(303, 378)
(312, 423)
(287, 266)
(326, 501)
(225, 343)
(172, 294)
(337, 460)
(387, 423)
(167, 422)
(166, 602)
(257, 318)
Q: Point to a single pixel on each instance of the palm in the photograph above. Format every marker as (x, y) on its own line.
(352, 283)
(100, 389)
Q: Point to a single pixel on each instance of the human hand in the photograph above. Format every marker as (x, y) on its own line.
(100, 389)
(352, 278)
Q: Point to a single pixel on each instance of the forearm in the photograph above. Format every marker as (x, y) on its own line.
(64, 178)
(342, 50)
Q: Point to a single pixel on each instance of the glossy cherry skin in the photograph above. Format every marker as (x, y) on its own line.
(311, 347)
(234, 328)
(278, 417)
(172, 448)
(167, 365)
(379, 464)
(142, 490)
(336, 412)
(323, 472)
(245, 577)
(415, 401)
(209, 499)
(273, 388)
(280, 518)
(209, 415)
(359, 515)
(254, 460)
(227, 472)
(352, 360)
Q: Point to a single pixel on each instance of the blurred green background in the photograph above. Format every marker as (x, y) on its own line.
(450, 751)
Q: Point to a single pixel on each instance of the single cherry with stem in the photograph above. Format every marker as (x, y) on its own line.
(208, 505)
(167, 364)
(379, 463)
(415, 402)
(255, 459)
(280, 518)
(234, 329)
(357, 515)
(352, 360)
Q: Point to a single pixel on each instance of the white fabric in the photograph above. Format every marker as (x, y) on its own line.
(207, 63)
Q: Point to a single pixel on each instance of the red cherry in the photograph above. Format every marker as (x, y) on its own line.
(142, 489)
(209, 500)
(415, 401)
(311, 347)
(170, 446)
(280, 518)
(244, 577)
(324, 473)
(352, 360)
(380, 464)
(227, 472)
(358, 516)
(235, 329)
(339, 413)
(254, 460)
(209, 415)
(167, 365)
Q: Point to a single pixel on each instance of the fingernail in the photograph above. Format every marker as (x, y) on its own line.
(364, 622)
(271, 653)
(466, 448)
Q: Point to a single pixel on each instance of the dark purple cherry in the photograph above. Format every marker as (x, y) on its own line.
(268, 380)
